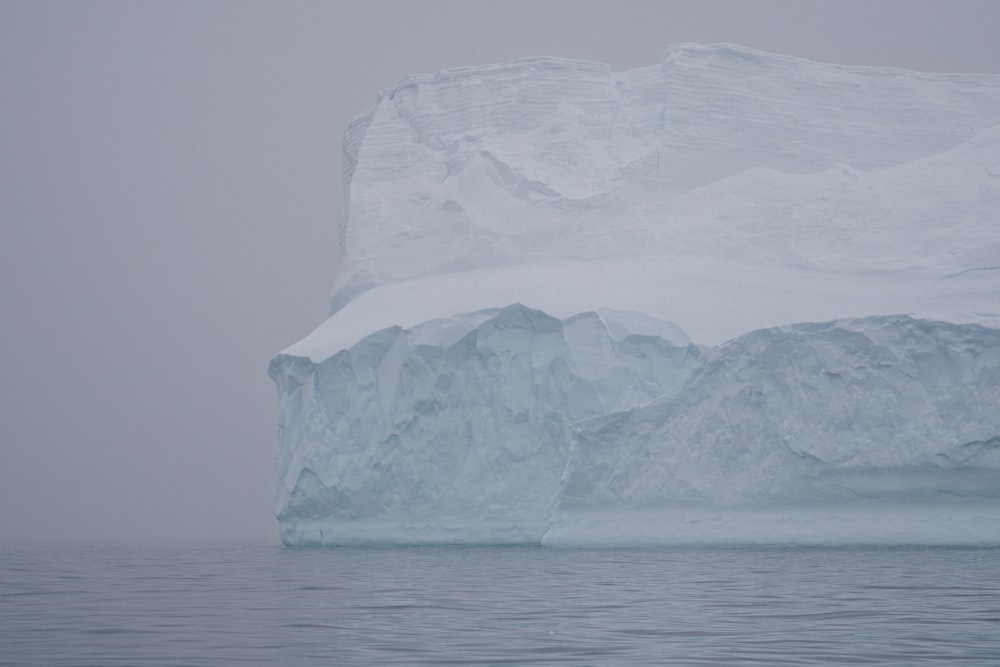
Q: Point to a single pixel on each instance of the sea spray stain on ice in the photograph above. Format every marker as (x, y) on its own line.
(728, 191)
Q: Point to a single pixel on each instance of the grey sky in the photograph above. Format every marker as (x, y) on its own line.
(169, 191)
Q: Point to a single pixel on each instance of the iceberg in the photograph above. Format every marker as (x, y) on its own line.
(499, 364)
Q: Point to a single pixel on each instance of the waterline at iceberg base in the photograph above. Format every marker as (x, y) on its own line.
(578, 307)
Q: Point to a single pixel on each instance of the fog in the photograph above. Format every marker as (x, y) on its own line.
(170, 188)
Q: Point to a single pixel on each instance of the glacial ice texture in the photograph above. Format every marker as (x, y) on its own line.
(858, 415)
(726, 190)
(456, 430)
(719, 152)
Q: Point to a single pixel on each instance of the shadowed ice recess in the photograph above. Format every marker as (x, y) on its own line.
(723, 195)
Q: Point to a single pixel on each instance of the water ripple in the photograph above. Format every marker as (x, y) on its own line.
(493, 606)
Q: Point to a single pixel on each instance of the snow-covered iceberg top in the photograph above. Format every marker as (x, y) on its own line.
(719, 150)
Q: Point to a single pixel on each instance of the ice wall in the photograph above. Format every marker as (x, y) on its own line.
(456, 430)
(810, 411)
(870, 419)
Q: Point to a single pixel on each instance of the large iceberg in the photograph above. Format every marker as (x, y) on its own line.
(726, 190)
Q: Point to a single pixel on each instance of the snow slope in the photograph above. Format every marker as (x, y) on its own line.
(725, 189)
(544, 160)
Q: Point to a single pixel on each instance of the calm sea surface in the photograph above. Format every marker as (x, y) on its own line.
(499, 605)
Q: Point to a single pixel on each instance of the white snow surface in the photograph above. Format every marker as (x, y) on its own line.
(726, 190)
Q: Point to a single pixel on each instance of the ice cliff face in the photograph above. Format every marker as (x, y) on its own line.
(725, 189)
(879, 407)
(457, 429)
(883, 420)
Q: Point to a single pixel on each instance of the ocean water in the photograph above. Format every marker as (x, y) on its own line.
(265, 604)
